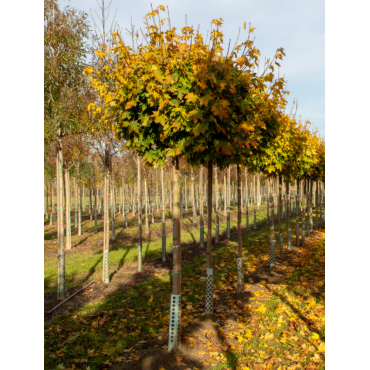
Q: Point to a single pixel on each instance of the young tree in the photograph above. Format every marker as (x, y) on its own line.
(179, 96)
(66, 95)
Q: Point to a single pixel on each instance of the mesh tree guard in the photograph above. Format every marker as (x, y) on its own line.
(61, 270)
(175, 323)
(239, 263)
(289, 240)
(106, 265)
(202, 236)
(209, 292)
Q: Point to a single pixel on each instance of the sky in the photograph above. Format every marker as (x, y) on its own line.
(295, 25)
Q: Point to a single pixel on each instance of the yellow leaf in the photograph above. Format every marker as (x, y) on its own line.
(88, 70)
(261, 308)
(315, 336)
(242, 60)
(321, 347)
(248, 333)
(151, 299)
(240, 339)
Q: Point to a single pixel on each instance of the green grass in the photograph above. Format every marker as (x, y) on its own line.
(87, 265)
(141, 312)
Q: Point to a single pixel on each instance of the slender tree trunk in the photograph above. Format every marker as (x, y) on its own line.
(281, 252)
(228, 203)
(239, 260)
(193, 195)
(140, 257)
(209, 287)
(68, 212)
(107, 165)
(174, 339)
(201, 206)
(225, 196)
(258, 190)
(80, 201)
(289, 232)
(52, 204)
(91, 208)
(267, 202)
(246, 199)
(217, 206)
(163, 218)
(297, 215)
(47, 201)
(76, 202)
(60, 227)
(272, 232)
(113, 207)
(146, 207)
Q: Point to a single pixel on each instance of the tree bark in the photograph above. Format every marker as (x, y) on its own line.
(68, 212)
(281, 253)
(60, 228)
(201, 222)
(139, 206)
(216, 206)
(240, 287)
(193, 195)
(209, 287)
(225, 196)
(228, 202)
(80, 201)
(146, 207)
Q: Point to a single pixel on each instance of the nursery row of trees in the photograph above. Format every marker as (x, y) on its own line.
(177, 100)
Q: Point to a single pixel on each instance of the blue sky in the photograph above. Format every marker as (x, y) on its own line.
(297, 26)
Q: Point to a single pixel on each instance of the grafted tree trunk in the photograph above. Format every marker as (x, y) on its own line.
(174, 339)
